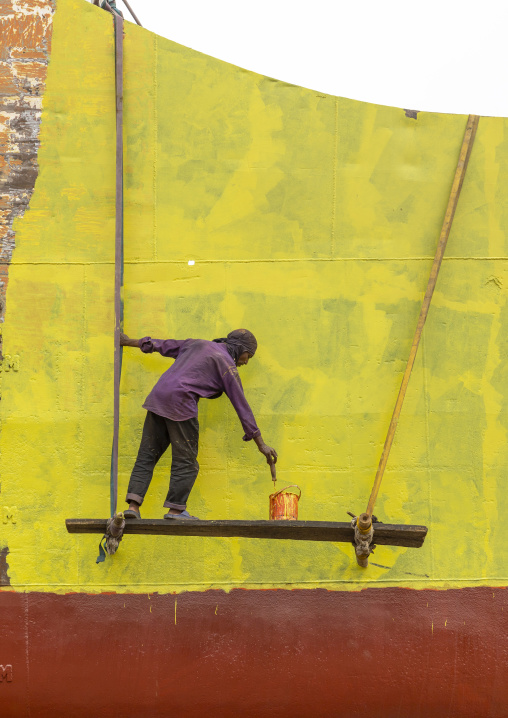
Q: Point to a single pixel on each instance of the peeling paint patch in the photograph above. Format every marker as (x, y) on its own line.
(412, 114)
(25, 32)
(4, 567)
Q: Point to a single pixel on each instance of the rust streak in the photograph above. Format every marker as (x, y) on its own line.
(25, 44)
(4, 567)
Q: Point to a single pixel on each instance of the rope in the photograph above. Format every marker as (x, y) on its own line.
(362, 542)
(118, 25)
(114, 533)
(116, 524)
(118, 256)
(465, 153)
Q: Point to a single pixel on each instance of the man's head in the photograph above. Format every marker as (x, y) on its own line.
(244, 345)
(241, 345)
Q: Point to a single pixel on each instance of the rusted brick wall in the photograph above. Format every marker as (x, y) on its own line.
(25, 43)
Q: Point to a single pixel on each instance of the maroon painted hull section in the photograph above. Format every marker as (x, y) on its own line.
(383, 652)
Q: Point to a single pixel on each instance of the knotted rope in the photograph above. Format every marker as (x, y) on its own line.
(112, 537)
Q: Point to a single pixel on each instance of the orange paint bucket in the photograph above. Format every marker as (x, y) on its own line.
(284, 507)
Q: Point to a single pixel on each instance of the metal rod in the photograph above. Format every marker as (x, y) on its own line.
(132, 12)
(465, 152)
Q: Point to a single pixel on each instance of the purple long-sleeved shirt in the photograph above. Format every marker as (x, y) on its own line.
(202, 369)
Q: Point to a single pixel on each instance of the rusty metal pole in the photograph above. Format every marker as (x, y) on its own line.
(132, 12)
(460, 173)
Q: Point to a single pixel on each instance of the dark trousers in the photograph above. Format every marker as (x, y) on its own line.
(158, 434)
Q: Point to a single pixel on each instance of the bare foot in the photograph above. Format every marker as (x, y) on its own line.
(175, 511)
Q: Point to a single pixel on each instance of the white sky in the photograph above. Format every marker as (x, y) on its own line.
(441, 56)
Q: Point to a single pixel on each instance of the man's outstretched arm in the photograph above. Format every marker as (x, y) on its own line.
(125, 341)
(234, 390)
(165, 347)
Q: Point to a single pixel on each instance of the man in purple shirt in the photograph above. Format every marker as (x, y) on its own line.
(202, 369)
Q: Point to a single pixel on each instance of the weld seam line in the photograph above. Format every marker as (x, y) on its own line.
(155, 147)
(255, 261)
(334, 181)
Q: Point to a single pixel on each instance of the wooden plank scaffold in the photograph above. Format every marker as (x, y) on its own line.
(386, 534)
